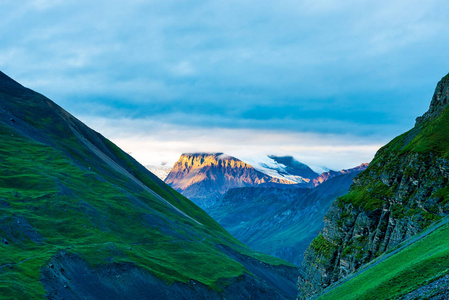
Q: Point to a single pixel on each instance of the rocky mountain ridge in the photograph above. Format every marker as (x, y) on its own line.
(402, 191)
(204, 177)
(331, 174)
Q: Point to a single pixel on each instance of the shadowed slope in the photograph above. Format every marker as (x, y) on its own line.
(71, 200)
(279, 222)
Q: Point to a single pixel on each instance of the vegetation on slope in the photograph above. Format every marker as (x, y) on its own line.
(422, 262)
(56, 194)
(402, 192)
(49, 204)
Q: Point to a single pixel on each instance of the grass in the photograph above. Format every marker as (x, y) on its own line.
(429, 140)
(414, 189)
(67, 200)
(322, 246)
(414, 266)
(369, 197)
(432, 137)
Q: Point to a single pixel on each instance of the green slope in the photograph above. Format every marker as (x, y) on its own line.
(402, 192)
(423, 261)
(65, 187)
(429, 139)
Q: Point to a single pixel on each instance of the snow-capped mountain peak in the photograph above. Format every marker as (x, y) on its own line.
(283, 167)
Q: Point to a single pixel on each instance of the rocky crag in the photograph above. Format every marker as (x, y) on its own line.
(404, 189)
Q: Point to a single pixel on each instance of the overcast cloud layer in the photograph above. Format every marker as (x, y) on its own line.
(326, 81)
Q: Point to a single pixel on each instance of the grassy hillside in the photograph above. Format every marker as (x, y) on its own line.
(389, 277)
(64, 187)
(429, 139)
(401, 193)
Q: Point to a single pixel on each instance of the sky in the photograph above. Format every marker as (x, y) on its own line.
(328, 82)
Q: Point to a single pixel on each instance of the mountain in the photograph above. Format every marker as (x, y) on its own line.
(403, 192)
(331, 174)
(284, 167)
(81, 219)
(161, 171)
(279, 222)
(204, 177)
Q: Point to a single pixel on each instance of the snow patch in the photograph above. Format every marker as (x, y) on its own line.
(272, 168)
(319, 169)
(223, 156)
(160, 171)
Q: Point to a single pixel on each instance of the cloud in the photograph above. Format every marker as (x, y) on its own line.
(324, 68)
(153, 142)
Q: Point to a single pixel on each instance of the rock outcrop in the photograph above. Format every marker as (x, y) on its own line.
(404, 189)
(439, 101)
(68, 276)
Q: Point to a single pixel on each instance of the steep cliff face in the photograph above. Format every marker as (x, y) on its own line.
(204, 177)
(404, 189)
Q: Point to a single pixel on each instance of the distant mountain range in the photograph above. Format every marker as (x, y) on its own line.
(331, 174)
(206, 177)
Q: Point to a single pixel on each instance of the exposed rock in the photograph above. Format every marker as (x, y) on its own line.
(18, 230)
(439, 102)
(4, 203)
(436, 290)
